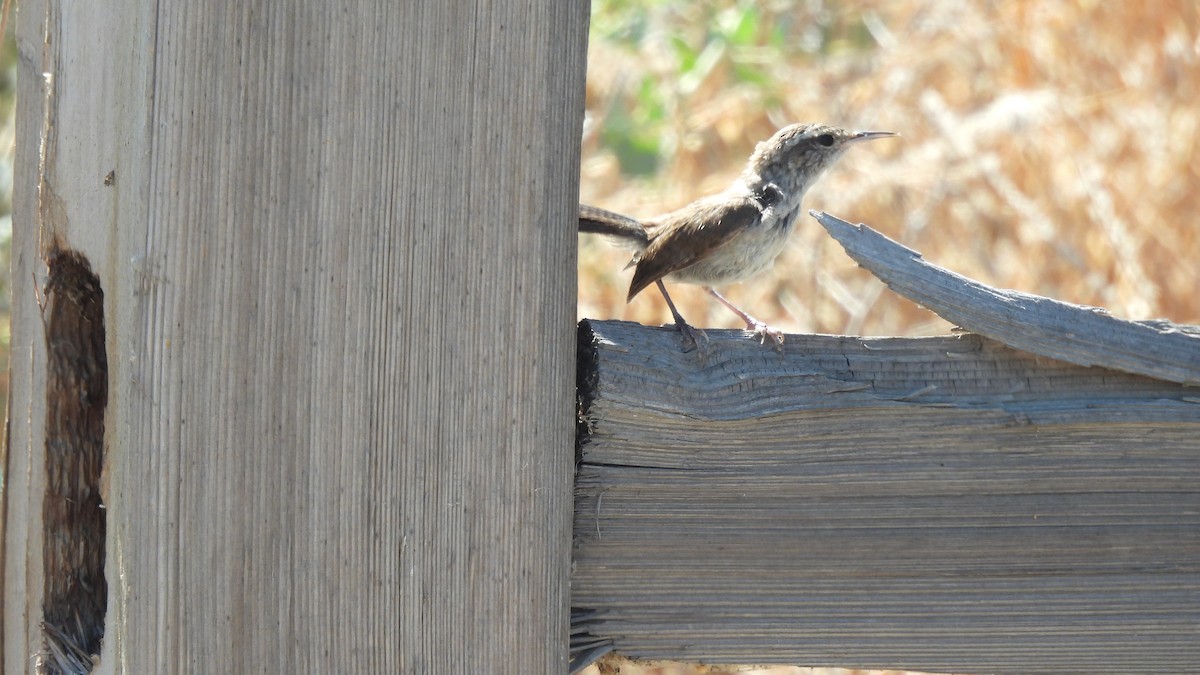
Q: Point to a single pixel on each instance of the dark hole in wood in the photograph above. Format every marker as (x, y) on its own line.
(76, 394)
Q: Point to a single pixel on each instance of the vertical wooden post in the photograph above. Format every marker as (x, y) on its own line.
(334, 247)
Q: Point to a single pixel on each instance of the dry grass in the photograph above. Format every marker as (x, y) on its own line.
(1052, 148)
(1047, 147)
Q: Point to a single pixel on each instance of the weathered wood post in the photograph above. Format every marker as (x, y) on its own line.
(304, 347)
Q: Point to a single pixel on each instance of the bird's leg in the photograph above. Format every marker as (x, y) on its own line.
(759, 328)
(689, 333)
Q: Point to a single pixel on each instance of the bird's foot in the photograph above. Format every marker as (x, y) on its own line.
(694, 339)
(762, 331)
(753, 325)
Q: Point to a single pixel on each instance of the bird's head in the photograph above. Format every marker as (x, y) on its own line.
(797, 154)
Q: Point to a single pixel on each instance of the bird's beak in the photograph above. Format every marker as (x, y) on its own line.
(868, 135)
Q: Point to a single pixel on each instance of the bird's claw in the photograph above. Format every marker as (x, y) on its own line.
(762, 331)
(694, 339)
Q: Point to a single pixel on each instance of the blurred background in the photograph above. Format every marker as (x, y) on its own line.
(1046, 147)
(1050, 148)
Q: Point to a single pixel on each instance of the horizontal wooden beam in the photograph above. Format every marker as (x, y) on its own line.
(938, 504)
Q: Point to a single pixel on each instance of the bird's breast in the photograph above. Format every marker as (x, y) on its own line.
(751, 252)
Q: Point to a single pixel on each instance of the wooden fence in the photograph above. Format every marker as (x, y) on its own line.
(292, 392)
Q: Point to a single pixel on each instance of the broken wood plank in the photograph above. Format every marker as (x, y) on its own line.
(1086, 336)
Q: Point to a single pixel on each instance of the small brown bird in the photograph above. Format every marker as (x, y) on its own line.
(737, 233)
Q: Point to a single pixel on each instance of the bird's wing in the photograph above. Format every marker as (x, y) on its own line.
(695, 239)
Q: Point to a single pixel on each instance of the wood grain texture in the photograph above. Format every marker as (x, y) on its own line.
(939, 504)
(337, 252)
(1086, 336)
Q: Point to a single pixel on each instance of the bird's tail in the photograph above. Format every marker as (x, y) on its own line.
(630, 231)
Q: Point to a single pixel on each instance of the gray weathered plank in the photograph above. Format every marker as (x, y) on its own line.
(336, 243)
(1087, 336)
(938, 504)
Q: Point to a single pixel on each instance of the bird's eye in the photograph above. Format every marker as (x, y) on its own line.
(825, 139)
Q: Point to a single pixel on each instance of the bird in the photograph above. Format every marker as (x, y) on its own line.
(734, 234)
